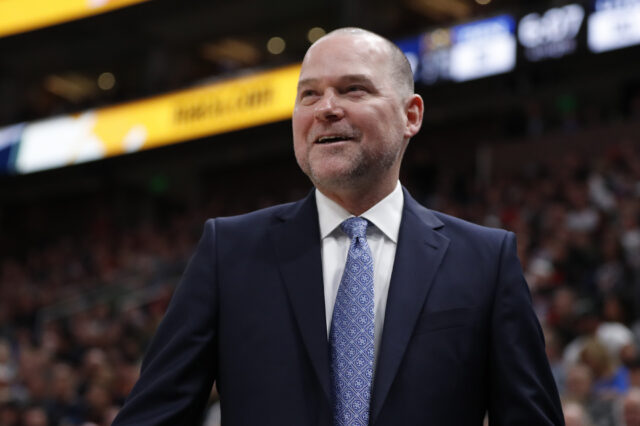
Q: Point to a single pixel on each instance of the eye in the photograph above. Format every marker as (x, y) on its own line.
(306, 93)
(308, 96)
(356, 88)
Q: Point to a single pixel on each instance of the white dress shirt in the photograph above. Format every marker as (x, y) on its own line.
(382, 239)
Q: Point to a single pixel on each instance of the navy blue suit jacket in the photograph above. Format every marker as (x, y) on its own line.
(460, 336)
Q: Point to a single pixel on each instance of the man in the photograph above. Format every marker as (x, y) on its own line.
(355, 305)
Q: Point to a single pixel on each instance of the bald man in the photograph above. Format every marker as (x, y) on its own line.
(356, 305)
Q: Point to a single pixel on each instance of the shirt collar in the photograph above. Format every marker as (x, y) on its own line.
(385, 215)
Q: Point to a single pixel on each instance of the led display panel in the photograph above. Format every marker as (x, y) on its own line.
(483, 48)
(9, 139)
(464, 52)
(552, 34)
(614, 24)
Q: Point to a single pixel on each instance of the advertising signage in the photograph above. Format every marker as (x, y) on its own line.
(552, 34)
(483, 48)
(488, 47)
(614, 24)
(464, 52)
(18, 16)
(185, 115)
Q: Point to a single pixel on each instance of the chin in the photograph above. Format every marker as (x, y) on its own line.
(335, 178)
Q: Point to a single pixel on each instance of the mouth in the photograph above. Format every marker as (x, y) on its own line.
(324, 140)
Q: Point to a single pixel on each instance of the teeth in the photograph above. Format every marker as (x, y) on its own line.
(325, 139)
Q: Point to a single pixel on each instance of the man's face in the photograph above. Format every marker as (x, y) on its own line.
(349, 121)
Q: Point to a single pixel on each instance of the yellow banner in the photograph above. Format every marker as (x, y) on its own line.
(17, 16)
(194, 113)
(185, 115)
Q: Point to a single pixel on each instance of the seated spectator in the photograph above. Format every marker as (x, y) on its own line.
(575, 415)
(610, 378)
(631, 408)
(34, 416)
(579, 389)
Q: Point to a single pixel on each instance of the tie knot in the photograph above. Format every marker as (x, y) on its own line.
(355, 227)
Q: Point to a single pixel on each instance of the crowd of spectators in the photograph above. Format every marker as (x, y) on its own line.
(577, 220)
(69, 351)
(77, 312)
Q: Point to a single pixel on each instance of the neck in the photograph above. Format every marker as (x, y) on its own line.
(358, 200)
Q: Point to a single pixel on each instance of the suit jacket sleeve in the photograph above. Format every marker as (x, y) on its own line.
(523, 391)
(180, 365)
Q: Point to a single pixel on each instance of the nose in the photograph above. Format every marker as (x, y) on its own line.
(328, 108)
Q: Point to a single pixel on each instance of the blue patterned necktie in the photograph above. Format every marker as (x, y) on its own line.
(352, 331)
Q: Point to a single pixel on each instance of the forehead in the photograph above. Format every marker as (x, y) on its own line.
(340, 55)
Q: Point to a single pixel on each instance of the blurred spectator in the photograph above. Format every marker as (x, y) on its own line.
(610, 379)
(63, 403)
(575, 415)
(579, 389)
(554, 355)
(9, 414)
(34, 416)
(631, 408)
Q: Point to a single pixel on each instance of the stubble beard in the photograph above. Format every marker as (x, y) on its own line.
(364, 170)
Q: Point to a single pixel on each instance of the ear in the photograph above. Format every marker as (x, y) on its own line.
(414, 108)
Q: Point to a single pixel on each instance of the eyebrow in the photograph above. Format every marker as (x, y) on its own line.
(349, 78)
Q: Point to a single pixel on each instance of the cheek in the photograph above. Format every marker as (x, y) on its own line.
(300, 147)
(380, 133)
(301, 120)
(301, 124)
(382, 123)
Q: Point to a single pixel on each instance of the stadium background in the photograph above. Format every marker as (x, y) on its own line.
(90, 252)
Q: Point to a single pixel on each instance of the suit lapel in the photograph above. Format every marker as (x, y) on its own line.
(296, 239)
(418, 255)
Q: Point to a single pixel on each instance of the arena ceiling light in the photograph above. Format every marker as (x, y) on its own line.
(441, 9)
(73, 87)
(237, 51)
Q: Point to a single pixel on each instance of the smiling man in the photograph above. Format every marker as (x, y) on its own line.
(356, 305)
(354, 115)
